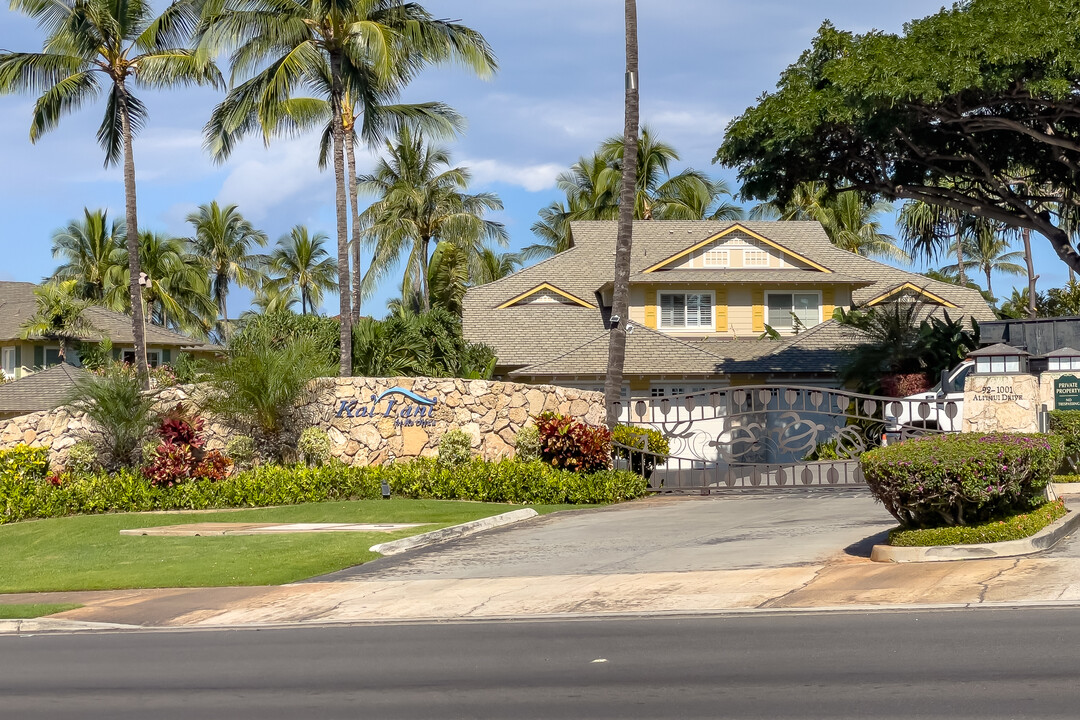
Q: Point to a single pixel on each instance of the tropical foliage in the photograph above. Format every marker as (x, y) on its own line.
(58, 315)
(300, 266)
(117, 407)
(408, 344)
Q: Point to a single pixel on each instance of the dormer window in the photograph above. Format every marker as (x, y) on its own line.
(1000, 359)
(717, 258)
(755, 257)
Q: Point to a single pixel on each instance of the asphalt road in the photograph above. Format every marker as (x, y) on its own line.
(973, 664)
(721, 532)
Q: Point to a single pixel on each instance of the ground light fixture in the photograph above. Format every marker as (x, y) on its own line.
(385, 482)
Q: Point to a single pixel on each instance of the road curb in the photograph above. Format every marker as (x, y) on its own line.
(1042, 540)
(395, 547)
(45, 625)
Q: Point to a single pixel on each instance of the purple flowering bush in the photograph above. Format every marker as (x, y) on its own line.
(947, 480)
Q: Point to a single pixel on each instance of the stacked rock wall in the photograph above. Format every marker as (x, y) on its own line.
(368, 420)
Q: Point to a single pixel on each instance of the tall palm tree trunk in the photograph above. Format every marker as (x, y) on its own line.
(1032, 277)
(620, 302)
(138, 319)
(424, 243)
(350, 155)
(961, 275)
(989, 287)
(345, 311)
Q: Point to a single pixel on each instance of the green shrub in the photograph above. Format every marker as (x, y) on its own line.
(635, 437)
(82, 458)
(314, 447)
(455, 448)
(116, 406)
(1066, 423)
(1067, 478)
(572, 444)
(527, 444)
(26, 492)
(1011, 527)
(241, 450)
(961, 479)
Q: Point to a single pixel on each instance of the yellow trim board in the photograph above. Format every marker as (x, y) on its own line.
(737, 228)
(550, 288)
(913, 287)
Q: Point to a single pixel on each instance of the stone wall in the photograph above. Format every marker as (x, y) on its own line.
(1001, 403)
(368, 419)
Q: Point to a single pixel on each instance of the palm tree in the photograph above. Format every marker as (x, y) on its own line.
(421, 200)
(367, 49)
(177, 294)
(304, 266)
(124, 46)
(491, 266)
(988, 251)
(272, 297)
(931, 230)
(89, 248)
(222, 239)
(59, 314)
(620, 303)
(850, 220)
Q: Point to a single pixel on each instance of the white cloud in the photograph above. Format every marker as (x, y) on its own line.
(533, 178)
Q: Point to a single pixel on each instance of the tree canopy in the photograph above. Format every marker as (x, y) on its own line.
(975, 108)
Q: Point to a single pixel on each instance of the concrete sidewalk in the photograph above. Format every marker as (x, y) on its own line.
(603, 571)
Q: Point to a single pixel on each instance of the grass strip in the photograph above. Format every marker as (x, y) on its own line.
(25, 612)
(88, 552)
(1013, 527)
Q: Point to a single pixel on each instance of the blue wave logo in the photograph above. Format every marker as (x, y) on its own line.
(407, 393)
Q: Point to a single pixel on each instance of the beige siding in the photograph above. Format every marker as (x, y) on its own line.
(740, 320)
(637, 305)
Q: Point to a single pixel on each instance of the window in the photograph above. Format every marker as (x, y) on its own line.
(755, 257)
(9, 361)
(686, 311)
(783, 306)
(997, 364)
(52, 356)
(717, 257)
(1065, 363)
(153, 357)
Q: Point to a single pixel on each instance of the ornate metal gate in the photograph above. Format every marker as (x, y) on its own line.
(772, 436)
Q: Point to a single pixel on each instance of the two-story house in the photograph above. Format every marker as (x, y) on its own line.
(702, 296)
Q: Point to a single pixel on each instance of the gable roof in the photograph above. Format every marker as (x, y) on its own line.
(43, 390)
(545, 287)
(737, 227)
(909, 287)
(17, 303)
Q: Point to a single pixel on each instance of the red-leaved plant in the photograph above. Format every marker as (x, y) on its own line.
(573, 445)
(181, 456)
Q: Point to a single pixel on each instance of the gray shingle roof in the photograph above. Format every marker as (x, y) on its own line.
(43, 390)
(17, 304)
(822, 348)
(526, 335)
(776, 277)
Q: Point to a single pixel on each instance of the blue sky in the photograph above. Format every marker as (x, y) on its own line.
(557, 95)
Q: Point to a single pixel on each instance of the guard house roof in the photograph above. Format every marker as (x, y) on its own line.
(999, 350)
(1063, 352)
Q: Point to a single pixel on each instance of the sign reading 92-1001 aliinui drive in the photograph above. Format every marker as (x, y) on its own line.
(1067, 393)
(404, 407)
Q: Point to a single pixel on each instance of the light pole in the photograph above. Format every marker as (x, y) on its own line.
(144, 283)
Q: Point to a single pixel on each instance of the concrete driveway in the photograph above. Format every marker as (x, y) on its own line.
(767, 529)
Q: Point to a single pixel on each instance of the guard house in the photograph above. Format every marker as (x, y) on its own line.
(1000, 359)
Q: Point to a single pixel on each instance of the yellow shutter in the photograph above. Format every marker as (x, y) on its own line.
(828, 303)
(758, 298)
(721, 310)
(650, 309)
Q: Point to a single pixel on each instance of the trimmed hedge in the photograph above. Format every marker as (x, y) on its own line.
(1067, 478)
(1012, 527)
(27, 490)
(946, 480)
(1066, 423)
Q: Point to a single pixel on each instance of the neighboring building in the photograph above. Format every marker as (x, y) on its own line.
(19, 358)
(701, 295)
(42, 390)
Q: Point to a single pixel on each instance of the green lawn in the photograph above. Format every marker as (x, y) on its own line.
(88, 552)
(23, 612)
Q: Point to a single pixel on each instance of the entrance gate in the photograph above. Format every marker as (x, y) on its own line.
(771, 436)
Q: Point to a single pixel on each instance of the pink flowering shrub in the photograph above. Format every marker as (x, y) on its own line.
(960, 479)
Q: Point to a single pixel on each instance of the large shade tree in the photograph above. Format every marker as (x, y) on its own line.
(95, 45)
(975, 109)
(365, 48)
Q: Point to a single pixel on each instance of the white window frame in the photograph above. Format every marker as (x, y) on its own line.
(8, 362)
(752, 250)
(711, 327)
(1058, 364)
(716, 257)
(793, 293)
(997, 364)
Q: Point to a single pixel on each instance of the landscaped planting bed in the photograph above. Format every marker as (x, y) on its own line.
(1012, 527)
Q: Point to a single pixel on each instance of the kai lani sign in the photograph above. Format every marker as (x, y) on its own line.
(1067, 393)
(404, 407)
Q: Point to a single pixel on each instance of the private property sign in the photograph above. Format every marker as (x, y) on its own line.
(405, 407)
(1067, 393)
